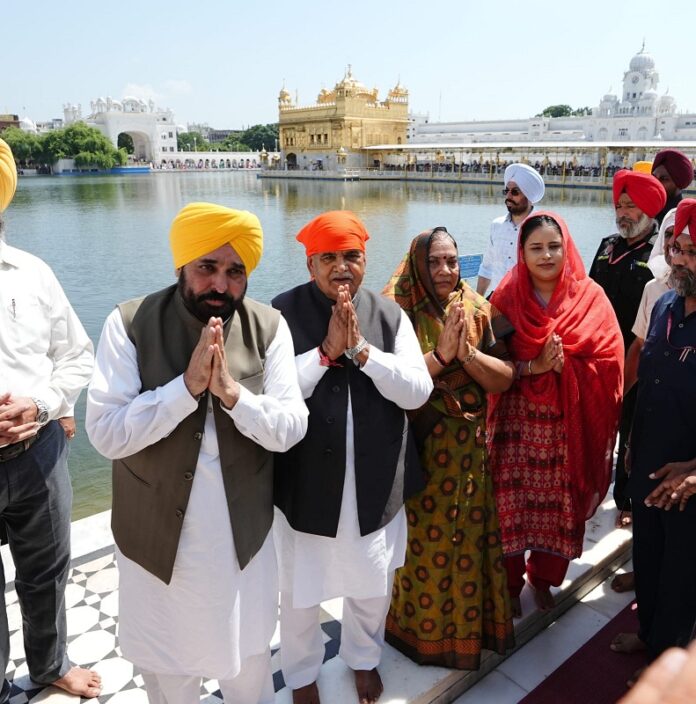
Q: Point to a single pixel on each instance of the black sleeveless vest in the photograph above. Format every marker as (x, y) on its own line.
(309, 478)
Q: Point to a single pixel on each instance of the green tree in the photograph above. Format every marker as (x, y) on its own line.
(556, 111)
(192, 142)
(87, 145)
(258, 136)
(234, 144)
(582, 111)
(125, 141)
(24, 145)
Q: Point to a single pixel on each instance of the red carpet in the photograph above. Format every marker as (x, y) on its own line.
(594, 674)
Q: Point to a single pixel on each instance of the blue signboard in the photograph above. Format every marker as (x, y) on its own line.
(469, 265)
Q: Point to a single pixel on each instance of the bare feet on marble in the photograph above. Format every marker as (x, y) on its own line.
(309, 694)
(368, 683)
(543, 599)
(623, 583)
(78, 680)
(515, 607)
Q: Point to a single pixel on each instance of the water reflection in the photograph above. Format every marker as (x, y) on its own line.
(107, 240)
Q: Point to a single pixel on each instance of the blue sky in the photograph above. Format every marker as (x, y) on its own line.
(223, 62)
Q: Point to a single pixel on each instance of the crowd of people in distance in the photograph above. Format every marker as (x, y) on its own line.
(489, 168)
(425, 453)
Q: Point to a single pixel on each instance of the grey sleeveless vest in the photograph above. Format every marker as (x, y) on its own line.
(151, 488)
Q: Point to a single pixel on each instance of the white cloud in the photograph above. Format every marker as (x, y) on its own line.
(142, 90)
(176, 86)
(170, 89)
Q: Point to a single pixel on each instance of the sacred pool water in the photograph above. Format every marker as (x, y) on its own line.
(106, 238)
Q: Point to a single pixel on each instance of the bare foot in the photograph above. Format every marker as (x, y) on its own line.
(369, 685)
(623, 519)
(78, 680)
(515, 607)
(635, 677)
(309, 694)
(627, 643)
(543, 599)
(623, 583)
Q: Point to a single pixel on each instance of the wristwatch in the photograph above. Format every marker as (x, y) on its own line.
(353, 352)
(41, 411)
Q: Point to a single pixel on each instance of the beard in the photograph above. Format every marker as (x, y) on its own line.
(629, 229)
(517, 208)
(199, 306)
(683, 281)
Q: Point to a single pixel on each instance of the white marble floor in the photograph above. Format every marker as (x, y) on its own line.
(93, 617)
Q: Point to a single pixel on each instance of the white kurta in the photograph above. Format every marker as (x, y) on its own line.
(652, 291)
(44, 350)
(212, 616)
(316, 568)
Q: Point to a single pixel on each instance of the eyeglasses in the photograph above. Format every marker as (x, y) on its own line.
(512, 191)
(677, 251)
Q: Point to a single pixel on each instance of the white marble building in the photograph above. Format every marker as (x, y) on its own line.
(638, 114)
(152, 129)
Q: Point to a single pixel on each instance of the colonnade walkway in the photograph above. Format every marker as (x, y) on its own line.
(585, 603)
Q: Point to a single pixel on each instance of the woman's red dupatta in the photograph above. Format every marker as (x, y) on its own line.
(589, 389)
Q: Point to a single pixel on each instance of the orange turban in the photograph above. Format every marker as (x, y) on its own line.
(335, 231)
(686, 218)
(8, 175)
(643, 189)
(643, 167)
(200, 228)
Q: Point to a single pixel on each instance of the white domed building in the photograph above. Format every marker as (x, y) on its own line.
(638, 114)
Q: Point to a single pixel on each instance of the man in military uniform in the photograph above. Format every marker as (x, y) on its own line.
(620, 267)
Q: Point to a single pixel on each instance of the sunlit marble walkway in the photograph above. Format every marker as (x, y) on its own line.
(92, 600)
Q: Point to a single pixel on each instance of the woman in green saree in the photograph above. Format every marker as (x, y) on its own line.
(450, 599)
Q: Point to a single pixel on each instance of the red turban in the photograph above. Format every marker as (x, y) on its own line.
(686, 217)
(643, 189)
(335, 231)
(677, 165)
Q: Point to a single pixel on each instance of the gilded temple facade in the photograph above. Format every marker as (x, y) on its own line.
(332, 132)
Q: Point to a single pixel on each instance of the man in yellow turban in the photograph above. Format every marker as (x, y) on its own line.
(195, 387)
(44, 364)
(341, 527)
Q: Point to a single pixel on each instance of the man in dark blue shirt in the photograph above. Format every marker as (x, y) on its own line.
(663, 445)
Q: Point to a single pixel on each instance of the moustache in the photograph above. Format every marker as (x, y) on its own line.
(212, 296)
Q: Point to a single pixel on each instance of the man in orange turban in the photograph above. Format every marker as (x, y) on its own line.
(675, 171)
(195, 388)
(46, 360)
(620, 267)
(341, 528)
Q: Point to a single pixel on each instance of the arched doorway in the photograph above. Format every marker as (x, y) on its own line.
(137, 144)
(291, 160)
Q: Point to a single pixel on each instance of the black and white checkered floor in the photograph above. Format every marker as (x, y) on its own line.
(92, 602)
(92, 613)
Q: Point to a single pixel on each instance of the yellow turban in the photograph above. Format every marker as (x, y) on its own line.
(8, 175)
(200, 228)
(643, 167)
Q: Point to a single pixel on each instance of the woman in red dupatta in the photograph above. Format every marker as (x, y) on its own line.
(552, 434)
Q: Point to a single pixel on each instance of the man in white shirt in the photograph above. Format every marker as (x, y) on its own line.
(45, 361)
(524, 187)
(341, 528)
(195, 386)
